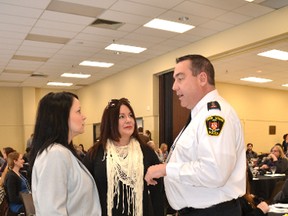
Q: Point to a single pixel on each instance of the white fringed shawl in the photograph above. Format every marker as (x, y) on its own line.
(125, 164)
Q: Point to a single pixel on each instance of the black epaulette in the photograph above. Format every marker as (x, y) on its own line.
(213, 105)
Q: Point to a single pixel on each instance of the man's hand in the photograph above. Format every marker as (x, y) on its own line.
(155, 171)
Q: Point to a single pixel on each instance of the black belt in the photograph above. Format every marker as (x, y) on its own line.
(219, 205)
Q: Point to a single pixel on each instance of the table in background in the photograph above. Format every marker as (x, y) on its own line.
(266, 186)
(275, 214)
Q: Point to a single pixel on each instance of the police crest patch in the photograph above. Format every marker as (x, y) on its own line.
(214, 125)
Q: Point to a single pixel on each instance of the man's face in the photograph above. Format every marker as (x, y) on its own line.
(187, 86)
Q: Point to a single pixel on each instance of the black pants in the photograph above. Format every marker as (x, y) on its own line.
(229, 208)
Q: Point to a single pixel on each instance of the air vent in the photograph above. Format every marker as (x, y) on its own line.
(38, 75)
(275, 4)
(107, 24)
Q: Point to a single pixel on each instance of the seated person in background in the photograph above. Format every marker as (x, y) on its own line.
(15, 183)
(250, 153)
(250, 204)
(282, 196)
(275, 158)
(250, 208)
(148, 134)
(82, 148)
(164, 149)
(27, 155)
(79, 152)
(157, 150)
(2, 160)
(285, 143)
(142, 136)
(5, 151)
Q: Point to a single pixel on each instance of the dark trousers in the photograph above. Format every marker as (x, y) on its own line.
(228, 208)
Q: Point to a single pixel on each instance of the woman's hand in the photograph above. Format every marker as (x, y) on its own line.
(273, 157)
(263, 206)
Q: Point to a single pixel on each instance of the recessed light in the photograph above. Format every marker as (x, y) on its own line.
(76, 75)
(59, 84)
(275, 54)
(168, 25)
(285, 85)
(125, 48)
(256, 79)
(96, 64)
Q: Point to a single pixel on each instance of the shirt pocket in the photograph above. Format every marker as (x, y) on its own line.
(187, 145)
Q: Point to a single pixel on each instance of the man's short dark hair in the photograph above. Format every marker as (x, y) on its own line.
(200, 64)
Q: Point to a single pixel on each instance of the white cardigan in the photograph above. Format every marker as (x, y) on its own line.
(61, 185)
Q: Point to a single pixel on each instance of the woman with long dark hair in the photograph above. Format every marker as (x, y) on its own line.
(61, 184)
(118, 162)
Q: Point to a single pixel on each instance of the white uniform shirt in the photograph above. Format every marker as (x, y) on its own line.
(61, 185)
(205, 170)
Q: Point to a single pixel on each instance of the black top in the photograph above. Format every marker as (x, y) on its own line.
(248, 210)
(153, 201)
(282, 195)
(251, 154)
(281, 165)
(12, 186)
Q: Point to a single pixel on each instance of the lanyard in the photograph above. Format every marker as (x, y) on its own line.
(174, 144)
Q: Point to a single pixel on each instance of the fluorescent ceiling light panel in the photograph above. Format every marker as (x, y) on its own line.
(285, 85)
(76, 75)
(125, 48)
(256, 79)
(59, 84)
(275, 54)
(168, 25)
(96, 64)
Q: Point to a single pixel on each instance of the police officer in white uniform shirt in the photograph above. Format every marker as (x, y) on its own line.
(205, 170)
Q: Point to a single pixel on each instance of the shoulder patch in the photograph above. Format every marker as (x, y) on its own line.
(214, 125)
(213, 105)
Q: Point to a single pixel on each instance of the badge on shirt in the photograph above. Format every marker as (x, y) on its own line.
(214, 125)
(213, 105)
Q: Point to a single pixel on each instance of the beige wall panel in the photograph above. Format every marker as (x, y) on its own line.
(257, 132)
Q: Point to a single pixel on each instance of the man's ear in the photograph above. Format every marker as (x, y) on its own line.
(202, 78)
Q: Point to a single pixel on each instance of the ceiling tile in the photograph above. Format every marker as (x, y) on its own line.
(67, 18)
(159, 3)
(253, 10)
(29, 3)
(74, 8)
(233, 18)
(124, 17)
(14, 10)
(222, 4)
(200, 10)
(136, 8)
